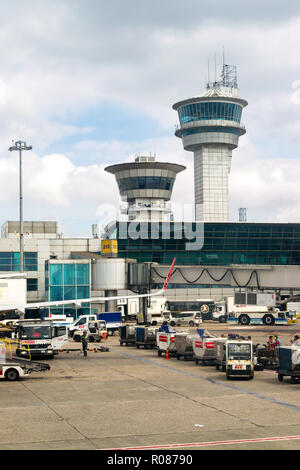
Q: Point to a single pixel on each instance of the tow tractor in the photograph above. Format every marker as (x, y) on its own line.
(12, 368)
(16, 368)
(239, 359)
(96, 331)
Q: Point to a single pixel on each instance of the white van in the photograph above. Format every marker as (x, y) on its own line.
(183, 318)
(81, 324)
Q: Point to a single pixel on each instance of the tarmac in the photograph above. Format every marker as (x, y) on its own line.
(129, 398)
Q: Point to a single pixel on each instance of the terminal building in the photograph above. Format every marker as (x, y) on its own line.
(214, 257)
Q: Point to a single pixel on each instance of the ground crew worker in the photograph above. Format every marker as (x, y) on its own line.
(296, 340)
(270, 343)
(84, 342)
(277, 341)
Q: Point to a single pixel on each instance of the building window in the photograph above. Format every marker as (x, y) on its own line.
(67, 281)
(10, 261)
(32, 285)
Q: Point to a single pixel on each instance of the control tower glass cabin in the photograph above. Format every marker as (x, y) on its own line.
(146, 185)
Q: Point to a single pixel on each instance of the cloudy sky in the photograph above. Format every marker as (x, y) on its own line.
(89, 83)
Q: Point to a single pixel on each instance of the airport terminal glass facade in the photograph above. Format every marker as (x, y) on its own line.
(66, 281)
(145, 182)
(10, 261)
(224, 244)
(210, 110)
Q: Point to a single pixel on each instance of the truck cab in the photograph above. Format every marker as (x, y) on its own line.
(40, 338)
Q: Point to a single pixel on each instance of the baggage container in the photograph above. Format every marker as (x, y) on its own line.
(184, 345)
(289, 363)
(204, 350)
(165, 338)
(146, 336)
(220, 353)
(127, 334)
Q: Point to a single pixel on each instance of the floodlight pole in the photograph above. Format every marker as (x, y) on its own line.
(19, 146)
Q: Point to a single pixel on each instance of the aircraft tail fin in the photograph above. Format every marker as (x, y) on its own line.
(169, 275)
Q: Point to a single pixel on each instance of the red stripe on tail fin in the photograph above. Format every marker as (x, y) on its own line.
(169, 275)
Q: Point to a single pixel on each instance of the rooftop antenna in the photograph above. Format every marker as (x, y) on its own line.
(215, 67)
(208, 70)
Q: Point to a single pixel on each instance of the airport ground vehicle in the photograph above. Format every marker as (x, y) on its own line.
(239, 359)
(41, 337)
(145, 336)
(165, 339)
(95, 329)
(160, 309)
(182, 318)
(204, 349)
(205, 306)
(128, 308)
(289, 363)
(251, 307)
(14, 369)
(127, 334)
(184, 345)
(267, 357)
(113, 322)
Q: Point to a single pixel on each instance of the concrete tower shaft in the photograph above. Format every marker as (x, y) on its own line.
(210, 127)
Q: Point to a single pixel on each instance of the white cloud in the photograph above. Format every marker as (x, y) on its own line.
(61, 60)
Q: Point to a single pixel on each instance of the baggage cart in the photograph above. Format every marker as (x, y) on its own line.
(267, 357)
(184, 345)
(165, 338)
(146, 336)
(220, 353)
(127, 335)
(204, 349)
(289, 363)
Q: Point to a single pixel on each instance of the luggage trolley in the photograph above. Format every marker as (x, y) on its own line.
(165, 338)
(127, 335)
(184, 345)
(289, 363)
(204, 348)
(145, 336)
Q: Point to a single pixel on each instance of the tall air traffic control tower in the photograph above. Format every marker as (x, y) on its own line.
(210, 126)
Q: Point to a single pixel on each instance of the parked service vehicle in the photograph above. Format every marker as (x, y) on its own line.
(14, 369)
(183, 318)
(40, 338)
(81, 323)
(95, 331)
(113, 322)
(239, 359)
(251, 307)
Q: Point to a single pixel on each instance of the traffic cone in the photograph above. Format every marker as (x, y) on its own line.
(167, 356)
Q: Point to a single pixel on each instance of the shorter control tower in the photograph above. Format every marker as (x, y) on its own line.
(146, 186)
